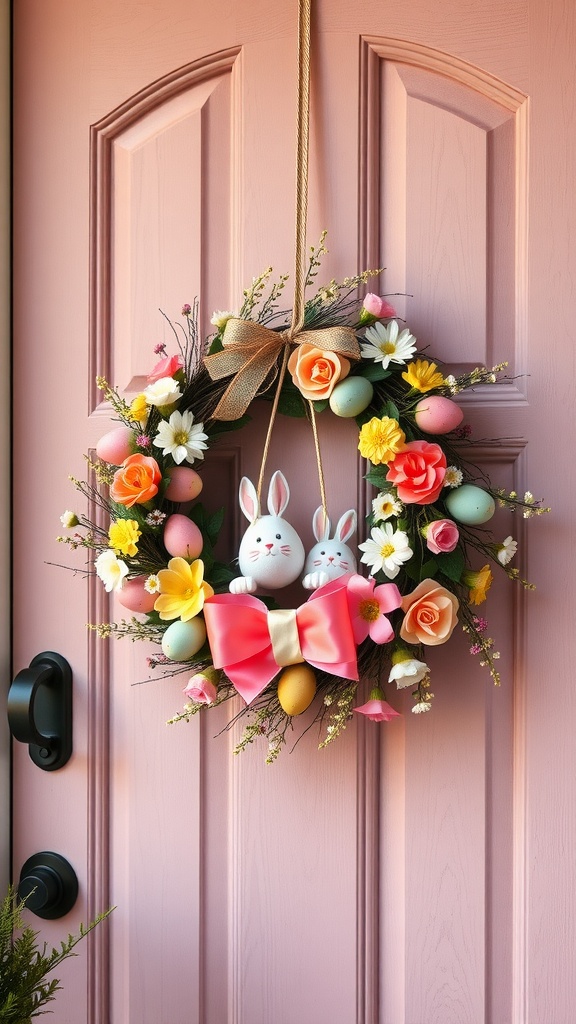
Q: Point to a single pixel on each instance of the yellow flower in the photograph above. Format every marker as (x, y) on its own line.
(182, 590)
(479, 583)
(124, 536)
(381, 439)
(423, 376)
(139, 409)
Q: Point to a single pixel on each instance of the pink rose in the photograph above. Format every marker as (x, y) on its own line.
(418, 472)
(166, 368)
(431, 614)
(441, 535)
(200, 689)
(378, 307)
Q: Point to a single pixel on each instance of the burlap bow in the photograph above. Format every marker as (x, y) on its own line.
(251, 354)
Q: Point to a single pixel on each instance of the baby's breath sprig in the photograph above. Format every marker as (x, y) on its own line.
(479, 375)
(134, 628)
(338, 718)
(511, 501)
(253, 294)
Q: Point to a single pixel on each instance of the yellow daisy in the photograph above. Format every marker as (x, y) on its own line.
(423, 376)
(381, 439)
(139, 410)
(182, 590)
(124, 536)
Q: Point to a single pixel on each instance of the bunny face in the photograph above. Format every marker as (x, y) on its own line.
(329, 558)
(271, 553)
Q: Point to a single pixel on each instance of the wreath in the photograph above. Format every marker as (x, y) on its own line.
(426, 552)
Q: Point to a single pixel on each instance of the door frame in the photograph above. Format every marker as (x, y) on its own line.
(5, 426)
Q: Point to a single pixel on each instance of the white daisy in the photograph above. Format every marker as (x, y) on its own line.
(453, 477)
(181, 438)
(386, 345)
(152, 584)
(386, 550)
(506, 551)
(385, 505)
(162, 392)
(111, 570)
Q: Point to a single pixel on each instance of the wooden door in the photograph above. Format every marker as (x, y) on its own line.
(419, 871)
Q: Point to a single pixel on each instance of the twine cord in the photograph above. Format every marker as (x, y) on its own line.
(297, 322)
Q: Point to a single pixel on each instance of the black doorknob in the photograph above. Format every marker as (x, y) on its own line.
(49, 885)
(40, 710)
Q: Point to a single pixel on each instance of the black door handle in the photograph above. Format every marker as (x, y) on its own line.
(49, 885)
(40, 710)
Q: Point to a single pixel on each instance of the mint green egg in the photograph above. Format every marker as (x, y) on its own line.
(351, 396)
(470, 505)
(182, 640)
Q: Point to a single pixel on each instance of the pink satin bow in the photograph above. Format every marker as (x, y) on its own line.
(239, 633)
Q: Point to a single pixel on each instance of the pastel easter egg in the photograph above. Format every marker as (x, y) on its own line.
(182, 640)
(438, 415)
(181, 537)
(116, 445)
(185, 484)
(296, 689)
(471, 505)
(135, 597)
(351, 396)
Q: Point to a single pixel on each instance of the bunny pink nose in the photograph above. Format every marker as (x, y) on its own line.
(269, 546)
(331, 558)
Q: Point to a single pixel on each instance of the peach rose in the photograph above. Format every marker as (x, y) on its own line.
(136, 481)
(316, 372)
(431, 614)
(418, 472)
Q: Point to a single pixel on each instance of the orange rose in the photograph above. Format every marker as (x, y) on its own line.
(315, 372)
(136, 481)
(431, 614)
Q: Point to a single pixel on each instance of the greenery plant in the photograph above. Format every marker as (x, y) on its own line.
(25, 963)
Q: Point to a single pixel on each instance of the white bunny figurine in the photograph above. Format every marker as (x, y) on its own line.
(329, 559)
(271, 553)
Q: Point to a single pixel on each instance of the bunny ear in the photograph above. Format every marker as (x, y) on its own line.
(248, 499)
(346, 525)
(278, 494)
(321, 524)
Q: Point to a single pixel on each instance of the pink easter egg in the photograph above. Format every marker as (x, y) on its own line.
(438, 415)
(116, 445)
(185, 484)
(182, 538)
(134, 597)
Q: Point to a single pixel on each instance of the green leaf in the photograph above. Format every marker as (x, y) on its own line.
(375, 372)
(451, 564)
(291, 403)
(429, 569)
(377, 476)
(321, 405)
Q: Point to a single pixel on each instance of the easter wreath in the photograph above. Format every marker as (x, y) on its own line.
(425, 528)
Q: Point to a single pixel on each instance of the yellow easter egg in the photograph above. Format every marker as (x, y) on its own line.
(296, 689)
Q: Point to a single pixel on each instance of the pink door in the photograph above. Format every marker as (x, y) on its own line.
(420, 871)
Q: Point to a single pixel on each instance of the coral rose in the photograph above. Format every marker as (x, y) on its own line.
(418, 472)
(316, 372)
(136, 481)
(431, 614)
(441, 536)
(167, 367)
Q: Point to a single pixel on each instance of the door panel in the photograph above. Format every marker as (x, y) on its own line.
(414, 872)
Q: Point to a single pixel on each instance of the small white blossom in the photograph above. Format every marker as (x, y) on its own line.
(69, 519)
(421, 706)
(111, 570)
(408, 673)
(507, 550)
(163, 392)
(384, 505)
(152, 584)
(220, 318)
(386, 345)
(453, 477)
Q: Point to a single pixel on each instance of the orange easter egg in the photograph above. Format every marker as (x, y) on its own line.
(296, 689)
